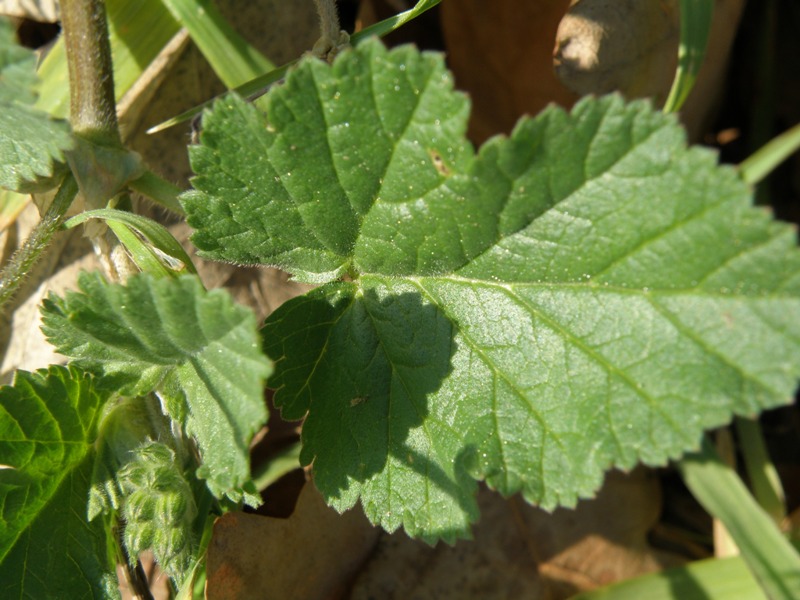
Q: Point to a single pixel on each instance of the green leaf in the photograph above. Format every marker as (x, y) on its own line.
(161, 247)
(47, 427)
(17, 68)
(197, 350)
(31, 143)
(586, 293)
(338, 156)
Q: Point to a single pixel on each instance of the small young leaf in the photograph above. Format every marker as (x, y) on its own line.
(149, 244)
(31, 143)
(586, 293)
(47, 428)
(197, 350)
(124, 428)
(159, 508)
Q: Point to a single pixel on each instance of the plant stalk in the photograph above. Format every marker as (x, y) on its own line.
(328, 19)
(13, 274)
(93, 112)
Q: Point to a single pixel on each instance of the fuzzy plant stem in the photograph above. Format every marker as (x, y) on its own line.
(26, 256)
(328, 19)
(93, 112)
(93, 109)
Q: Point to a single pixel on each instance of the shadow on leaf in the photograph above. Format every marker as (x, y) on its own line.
(361, 365)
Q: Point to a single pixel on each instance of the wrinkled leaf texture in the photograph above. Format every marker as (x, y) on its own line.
(32, 145)
(585, 293)
(48, 549)
(197, 350)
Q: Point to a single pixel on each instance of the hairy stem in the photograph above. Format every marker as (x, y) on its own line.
(93, 112)
(13, 274)
(328, 19)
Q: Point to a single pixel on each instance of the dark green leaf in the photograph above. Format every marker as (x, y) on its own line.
(47, 547)
(355, 143)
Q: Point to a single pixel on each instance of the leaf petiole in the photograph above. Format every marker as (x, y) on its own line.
(26, 256)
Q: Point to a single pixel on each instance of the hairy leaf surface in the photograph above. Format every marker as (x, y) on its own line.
(48, 423)
(31, 143)
(586, 293)
(197, 350)
(159, 508)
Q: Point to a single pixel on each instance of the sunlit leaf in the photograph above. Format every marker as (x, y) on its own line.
(586, 293)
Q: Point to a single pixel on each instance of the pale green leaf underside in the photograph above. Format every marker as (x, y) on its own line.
(197, 350)
(585, 293)
(31, 143)
(47, 427)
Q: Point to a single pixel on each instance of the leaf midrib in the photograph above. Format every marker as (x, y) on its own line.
(605, 364)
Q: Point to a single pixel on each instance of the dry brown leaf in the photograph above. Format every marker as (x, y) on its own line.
(47, 11)
(520, 551)
(501, 52)
(631, 46)
(23, 344)
(311, 555)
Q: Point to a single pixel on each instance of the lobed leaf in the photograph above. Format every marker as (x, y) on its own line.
(338, 155)
(586, 293)
(32, 145)
(48, 424)
(197, 350)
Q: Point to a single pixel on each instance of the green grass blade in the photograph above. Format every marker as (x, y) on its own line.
(260, 83)
(764, 480)
(232, 58)
(771, 558)
(699, 580)
(695, 27)
(764, 160)
(142, 255)
(387, 26)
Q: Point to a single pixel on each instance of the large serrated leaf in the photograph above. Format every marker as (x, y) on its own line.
(47, 428)
(338, 156)
(32, 145)
(586, 293)
(197, 350)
